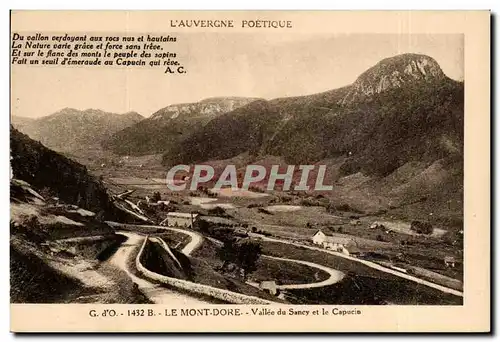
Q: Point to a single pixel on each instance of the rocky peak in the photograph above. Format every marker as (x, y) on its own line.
(207, 107)
(394, 72)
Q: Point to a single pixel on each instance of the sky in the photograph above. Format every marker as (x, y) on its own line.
(225, 64)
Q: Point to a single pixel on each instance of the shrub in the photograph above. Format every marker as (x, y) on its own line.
(347, 207)
(244, 253)
(218, 211)
(156, 196)
(422, 227)
(264, 211)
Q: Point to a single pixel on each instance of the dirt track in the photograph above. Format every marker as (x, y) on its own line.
(372, 265)
(155, 293)
(335, 275)
(165, 296)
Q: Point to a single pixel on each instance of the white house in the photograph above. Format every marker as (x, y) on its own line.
(377, 225)
(449, 261)
(269, 286)
(319, 238)
(177, 219)
(335, 243)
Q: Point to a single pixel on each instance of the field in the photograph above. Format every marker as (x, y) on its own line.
(363, 285)
(267, 269)
(196, 270)
(286, 272)
(298, 216)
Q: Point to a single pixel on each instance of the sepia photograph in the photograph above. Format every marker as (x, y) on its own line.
(223, 172)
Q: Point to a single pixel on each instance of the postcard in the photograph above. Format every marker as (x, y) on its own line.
(250, 171)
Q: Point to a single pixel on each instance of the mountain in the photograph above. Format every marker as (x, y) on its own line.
(171, 125)
(394, 72)
(58, 230)
(20, 122)
(50, 172)
(71, 129)
(393, 138)
(402, 109)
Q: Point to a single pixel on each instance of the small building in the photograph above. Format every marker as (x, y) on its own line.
(177, 219)
(159, 204)
(319, 237)
(377, 225)
(340, 244)
(449, 261)
(269, 286)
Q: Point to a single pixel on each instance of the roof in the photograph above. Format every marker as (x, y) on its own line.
(181, 215)
(336, 239)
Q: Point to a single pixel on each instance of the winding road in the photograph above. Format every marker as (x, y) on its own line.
(154, 292)
(369, 264)
(159, 294)
(335, 275)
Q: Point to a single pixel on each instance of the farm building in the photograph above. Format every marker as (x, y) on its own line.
(269, 286)
(377, 225)
(449, 261)
(176, 219)
(336, 243)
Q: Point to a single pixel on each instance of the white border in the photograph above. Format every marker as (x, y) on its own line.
(147, 4)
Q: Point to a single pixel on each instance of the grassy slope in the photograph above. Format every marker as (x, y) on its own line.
(68, 180)
(195, 270)
(267, 269)
(47, 270)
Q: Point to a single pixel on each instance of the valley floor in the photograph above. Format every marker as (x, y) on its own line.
(395, 265)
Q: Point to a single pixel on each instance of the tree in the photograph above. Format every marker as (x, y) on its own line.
(422, 227)
(218, 211)
(243, 253)
(248, 253)
(204, 226)
(101, 216)
(227, 253)
(156, 196)
(46, 193)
